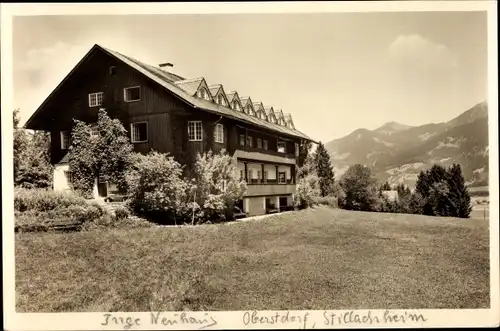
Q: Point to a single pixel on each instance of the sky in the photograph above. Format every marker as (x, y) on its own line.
(334, 72)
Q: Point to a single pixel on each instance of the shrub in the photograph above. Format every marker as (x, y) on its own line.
(307, 190)
(43, 210)
(107, 221)
(326, 201)
(156, 187)
(44, 200)
(121, 212)
(215, 188)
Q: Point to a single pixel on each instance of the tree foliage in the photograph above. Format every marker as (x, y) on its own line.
(105, 155)
(361, 189)
(324, 170)
(155, 186)
(32, 168)
(443, 192)
(385, 187)
(215, 187)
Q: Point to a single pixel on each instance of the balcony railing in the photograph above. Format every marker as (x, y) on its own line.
(264, 155)
(255, 181)
(270, 189)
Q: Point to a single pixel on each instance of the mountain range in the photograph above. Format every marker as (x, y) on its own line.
(397, 153)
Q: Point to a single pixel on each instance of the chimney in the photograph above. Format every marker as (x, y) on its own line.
(163, 65)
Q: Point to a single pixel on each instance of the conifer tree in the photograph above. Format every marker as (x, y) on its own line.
(458, 193)
(324, 170)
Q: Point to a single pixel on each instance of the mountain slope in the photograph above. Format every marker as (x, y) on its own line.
(397, 152)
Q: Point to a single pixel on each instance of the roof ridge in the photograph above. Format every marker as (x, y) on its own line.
(181, 93)
(190, 80)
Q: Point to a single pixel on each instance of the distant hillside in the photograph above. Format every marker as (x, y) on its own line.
(398, 152)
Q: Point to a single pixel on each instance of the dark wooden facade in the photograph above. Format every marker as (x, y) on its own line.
(166, 116)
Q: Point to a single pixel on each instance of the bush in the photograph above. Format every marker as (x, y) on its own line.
(44, 200)
(121, 212)
(107, 221)
(215, 188)
(156, 187)
(326, 201)
(307, 191)
(44, 210)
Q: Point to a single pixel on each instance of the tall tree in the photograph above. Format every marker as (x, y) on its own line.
(324, 170)
(105, 155)
(360, 187)
(20, 141)
(32, 168)
(459, 197)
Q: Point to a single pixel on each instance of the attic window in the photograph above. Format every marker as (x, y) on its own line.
(112, 70)
(132, 94)
(95, 99)
(203, 93)
(220, 100)
(249, 109)
(236, 105)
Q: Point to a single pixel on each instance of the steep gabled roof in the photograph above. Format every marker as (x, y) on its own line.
(182, 89)
(190, 86)
(269, 110)
(289, 121)
(217, 90)
(233, 97)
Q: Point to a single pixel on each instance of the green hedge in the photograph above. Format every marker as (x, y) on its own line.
(45, 210)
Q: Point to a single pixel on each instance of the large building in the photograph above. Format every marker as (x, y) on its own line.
(170, 114)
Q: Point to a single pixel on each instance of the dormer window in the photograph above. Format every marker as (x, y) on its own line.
(203, 93)
(236, 105)
(249, 109)
(220, 100)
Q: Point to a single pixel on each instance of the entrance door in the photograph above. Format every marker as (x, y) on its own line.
(102, 188)
(283, 203)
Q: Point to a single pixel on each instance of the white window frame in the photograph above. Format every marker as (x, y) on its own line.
(242, 140)
(278, 147)
(125, 93)
(132, 132)
(284, 177)
(205, 95)
(219, 133)
(94, 99)
(297, 149)
(249, 139)
(259, 143)
(236, 105)
(195, 135)
(61, 134)
(265, 144)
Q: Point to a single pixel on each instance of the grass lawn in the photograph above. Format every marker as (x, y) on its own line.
(313, 259)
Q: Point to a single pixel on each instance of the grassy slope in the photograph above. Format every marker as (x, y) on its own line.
(313, 259)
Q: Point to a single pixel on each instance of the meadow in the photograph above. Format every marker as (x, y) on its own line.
(319, 258)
